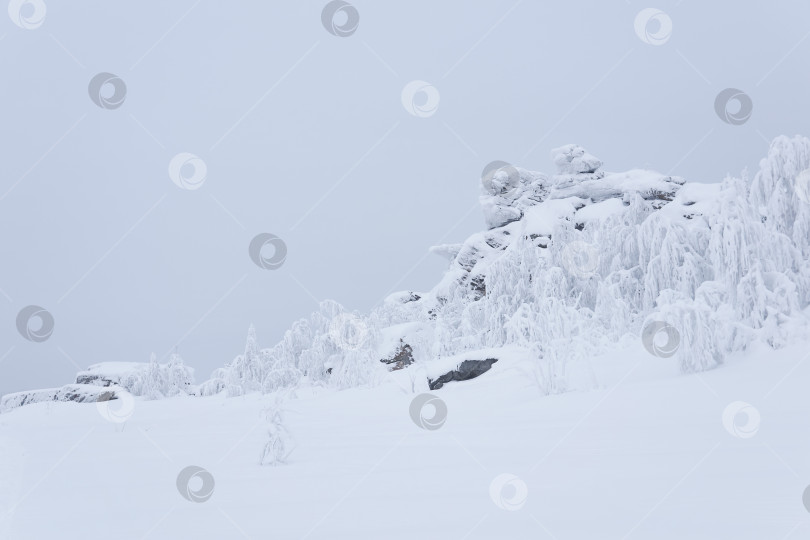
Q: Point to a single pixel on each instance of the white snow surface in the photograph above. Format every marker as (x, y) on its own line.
(112, 369)
(644, 455)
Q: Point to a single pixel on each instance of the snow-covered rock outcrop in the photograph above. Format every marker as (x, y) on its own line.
(79, 393)
(151, 379)
(573, 159)
(572, 263)
(104, 381)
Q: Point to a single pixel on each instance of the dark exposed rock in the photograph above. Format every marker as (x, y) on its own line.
(658, 195)
(540, 240)
(478, 284)
(78, 395)
(97, 380)
(466, 370)
(495, 243)
(468, 257)
(402, 358)
(433, 312)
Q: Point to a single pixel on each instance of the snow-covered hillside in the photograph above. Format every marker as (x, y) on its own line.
(652, 454)
(572, 263)
(557, 382)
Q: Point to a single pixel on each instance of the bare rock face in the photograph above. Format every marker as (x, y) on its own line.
(466, 370)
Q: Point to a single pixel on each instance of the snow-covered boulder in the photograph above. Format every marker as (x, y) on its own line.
(508, 190)
(448, 251)
(573, 159)
(110, 373)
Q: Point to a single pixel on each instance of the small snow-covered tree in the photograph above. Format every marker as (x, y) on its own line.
(179, 376)
(154, 381)
(279, 444)
(216, 384)
(246, 370)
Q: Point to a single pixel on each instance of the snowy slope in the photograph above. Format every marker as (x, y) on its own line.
(644, 340)
(572, 263)
(646, 455)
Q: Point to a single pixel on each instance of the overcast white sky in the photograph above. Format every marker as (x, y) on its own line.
(305, 136)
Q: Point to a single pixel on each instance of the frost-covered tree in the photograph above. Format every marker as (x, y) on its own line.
(151, 380)
(279, 444)
(216, 384)
(179, 377)
(246, 372)
(155, 382)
